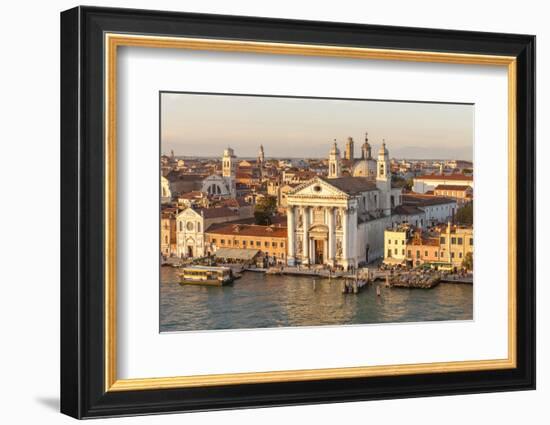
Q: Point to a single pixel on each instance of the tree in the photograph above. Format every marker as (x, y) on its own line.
(402, 182)
(468, 261)
(465, 214)
(264, 210)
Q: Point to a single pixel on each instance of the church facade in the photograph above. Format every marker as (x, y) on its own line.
(340, 220)
(224, 185)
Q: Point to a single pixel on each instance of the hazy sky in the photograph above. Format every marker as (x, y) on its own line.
(203, 125)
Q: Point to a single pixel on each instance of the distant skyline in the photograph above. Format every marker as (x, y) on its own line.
(204, 125)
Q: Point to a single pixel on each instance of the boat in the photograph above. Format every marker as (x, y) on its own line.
(206, 275)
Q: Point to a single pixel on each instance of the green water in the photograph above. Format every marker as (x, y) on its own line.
(262, 301)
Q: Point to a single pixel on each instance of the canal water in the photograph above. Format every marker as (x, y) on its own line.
(263, 301)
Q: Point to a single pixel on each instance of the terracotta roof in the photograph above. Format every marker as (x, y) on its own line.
(249, 230)
(352, 185)
(217, 212)
(176, 175)
(452, 187)
(192, 194)
(421, 200)
(305, 175)
(445, 177)
(423, 241)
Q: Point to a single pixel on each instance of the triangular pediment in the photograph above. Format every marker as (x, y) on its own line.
(319, 188)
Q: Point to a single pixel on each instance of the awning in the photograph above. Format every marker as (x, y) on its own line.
(243, 254)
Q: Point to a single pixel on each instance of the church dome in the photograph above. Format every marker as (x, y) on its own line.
(364, 168)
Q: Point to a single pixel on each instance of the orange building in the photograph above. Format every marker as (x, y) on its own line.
(423, 249)
(270, 240)
(168, 232)
(462, 193)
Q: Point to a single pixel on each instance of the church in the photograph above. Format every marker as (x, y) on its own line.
(223, 185)
(340, 220)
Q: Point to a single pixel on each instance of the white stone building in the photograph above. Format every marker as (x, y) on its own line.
(224, 185)
(165, 192)
(191, 225)
(341, 220)
(436, 209)
(429, 182)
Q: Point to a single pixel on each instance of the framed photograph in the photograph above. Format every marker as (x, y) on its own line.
(261, 212)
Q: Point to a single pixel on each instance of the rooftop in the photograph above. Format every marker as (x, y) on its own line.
(237, 253)
(452, 187)
(434, 176)
(421, 200)
(217, 212)
(249, 230)
(352, 185)
(407, 210)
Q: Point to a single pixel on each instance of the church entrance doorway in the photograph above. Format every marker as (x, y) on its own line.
(319, 250)
(190, 251)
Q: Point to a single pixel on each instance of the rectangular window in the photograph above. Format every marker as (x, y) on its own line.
(395, 251)
(282, 244)
(453, 241)
(442, 239)
(273, 244)
(389, 241)
(402, 252)
(403, 242)
(452, 255)
(389, 253)
(425, 253)
(409, 254)
(436, 255)
(460, 255)
(459, 240)
(417, 254)
(244, 243)
(222, 241)
(213, 240)
(266, 244)
(471, 241)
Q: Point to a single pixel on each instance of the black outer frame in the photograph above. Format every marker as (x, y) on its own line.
(82, 207)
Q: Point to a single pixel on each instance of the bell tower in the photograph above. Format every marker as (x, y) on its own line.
(383, 179)
(334, 162)
(229, 163)
(229, 170)
(349, 154)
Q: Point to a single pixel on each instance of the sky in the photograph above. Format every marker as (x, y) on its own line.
(205, 124)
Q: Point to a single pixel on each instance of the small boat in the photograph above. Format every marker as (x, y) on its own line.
(206, 275)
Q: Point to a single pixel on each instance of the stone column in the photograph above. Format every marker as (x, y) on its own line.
(291, 232)
(331, 236)
(305, 242)
(352, 222)
(345, 239)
